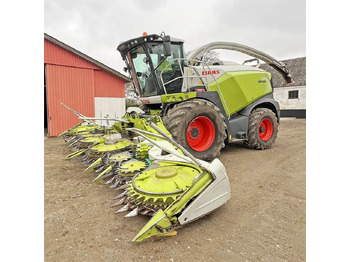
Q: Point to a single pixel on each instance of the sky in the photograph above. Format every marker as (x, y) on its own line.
(96, 27)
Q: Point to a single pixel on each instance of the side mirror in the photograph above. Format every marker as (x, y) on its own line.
(167, 45)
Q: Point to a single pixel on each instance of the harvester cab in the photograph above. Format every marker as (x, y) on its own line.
(204, 104)
(153, 62)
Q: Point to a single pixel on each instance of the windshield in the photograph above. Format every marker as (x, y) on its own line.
(150, 67)
(146, 83)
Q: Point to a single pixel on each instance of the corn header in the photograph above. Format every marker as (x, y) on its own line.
(154, 174)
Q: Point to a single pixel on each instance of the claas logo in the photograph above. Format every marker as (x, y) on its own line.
(214, 72)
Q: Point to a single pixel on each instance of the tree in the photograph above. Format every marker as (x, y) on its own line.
(210, 58)
(131, 97)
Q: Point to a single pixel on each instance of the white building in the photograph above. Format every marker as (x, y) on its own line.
(291, 97)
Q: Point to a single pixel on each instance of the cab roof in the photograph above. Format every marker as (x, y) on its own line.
(124, 47)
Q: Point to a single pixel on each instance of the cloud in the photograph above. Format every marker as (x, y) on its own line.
(96, 27)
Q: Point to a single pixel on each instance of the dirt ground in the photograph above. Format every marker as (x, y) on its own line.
(263, 221)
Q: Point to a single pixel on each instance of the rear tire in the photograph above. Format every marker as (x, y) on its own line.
(262, 129)
(198, 126)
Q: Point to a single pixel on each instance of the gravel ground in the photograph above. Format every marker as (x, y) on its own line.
(263, 221)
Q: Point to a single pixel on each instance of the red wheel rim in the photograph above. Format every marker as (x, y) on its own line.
(200, 133)
(265, 129)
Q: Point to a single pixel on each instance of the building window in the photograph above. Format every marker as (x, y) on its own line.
(294, 94)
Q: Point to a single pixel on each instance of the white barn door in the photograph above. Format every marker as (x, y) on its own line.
(111, 107)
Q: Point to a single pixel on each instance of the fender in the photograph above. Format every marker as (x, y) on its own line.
(238, 123)
(268, 102)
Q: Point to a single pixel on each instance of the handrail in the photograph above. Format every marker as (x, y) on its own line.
(190, 62)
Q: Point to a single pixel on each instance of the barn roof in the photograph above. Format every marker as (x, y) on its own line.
(297, 68)
(86, 57)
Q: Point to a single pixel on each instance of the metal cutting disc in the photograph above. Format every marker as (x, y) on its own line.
(159, 186)
(130, 167)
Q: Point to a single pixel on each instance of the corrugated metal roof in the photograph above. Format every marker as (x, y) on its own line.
(56, 55)
(84, 56)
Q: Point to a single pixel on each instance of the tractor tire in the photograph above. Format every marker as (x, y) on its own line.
(262, 129)
(198, 126)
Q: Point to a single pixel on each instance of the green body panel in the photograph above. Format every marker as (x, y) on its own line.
(118, 127)
(239, 89)
(155, 112)
(203, 180)
(178, 97)
(141, 123)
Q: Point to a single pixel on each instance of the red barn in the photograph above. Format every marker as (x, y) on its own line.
(82, 83)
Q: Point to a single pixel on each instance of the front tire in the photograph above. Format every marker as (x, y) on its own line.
(198, 126)
(262, 129)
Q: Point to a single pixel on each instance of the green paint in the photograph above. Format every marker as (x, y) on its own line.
(166, 179)
(94, 139)
(129, 168)
(162, 221)
(178, 97)
(155, 112)
(142, 123)
(91, 167)
(158, 224)
(108, 169)
(177, 206)
(239, 89)
(120, 144)
(76, 153)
